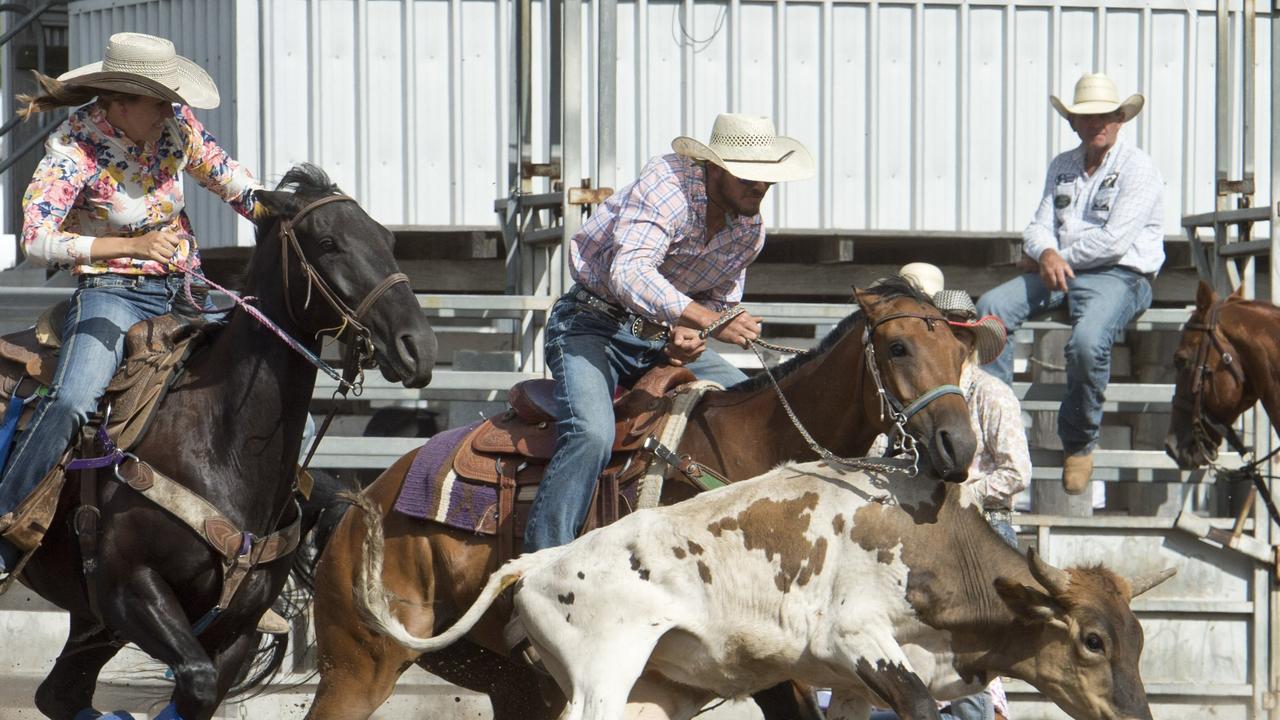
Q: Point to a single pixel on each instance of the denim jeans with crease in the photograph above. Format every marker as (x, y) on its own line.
(590, 355)
(1100, 302)
(102, 310)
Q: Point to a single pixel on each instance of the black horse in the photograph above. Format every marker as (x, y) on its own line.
(230, 430)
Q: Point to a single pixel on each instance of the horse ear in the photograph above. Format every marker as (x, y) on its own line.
(272, 203)
(860, 297)
(1205, 296)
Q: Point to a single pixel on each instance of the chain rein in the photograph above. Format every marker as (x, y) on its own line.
(902, 440)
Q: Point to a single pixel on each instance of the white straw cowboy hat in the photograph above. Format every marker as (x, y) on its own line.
(959, 309)
(140, 64)
(750, 148)
(1096, 94)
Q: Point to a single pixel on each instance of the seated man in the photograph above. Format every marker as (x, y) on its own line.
(655, 267)
(1095, 244)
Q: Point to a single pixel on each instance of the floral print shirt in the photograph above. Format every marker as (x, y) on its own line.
(94, 182)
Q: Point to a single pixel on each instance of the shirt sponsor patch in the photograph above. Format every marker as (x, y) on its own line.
(1064, 178)
(1061, 201)
(1110, 180)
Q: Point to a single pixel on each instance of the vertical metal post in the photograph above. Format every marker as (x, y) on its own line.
(1273, 614)
(571, 119)
(606, 93)
(1275, 157)
(1222, 139)
(1248, 41)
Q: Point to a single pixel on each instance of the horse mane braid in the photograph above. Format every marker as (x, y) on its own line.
(307, 179)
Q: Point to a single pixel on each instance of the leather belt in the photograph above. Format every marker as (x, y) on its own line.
(637, 325)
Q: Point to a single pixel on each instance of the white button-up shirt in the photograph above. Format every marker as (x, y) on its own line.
(1113, 217)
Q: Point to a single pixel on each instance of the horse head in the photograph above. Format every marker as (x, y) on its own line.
(340, 277)
(1211, 391)
(914, 358)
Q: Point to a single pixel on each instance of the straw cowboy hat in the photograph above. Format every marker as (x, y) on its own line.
(140, 64)
(750, 148)
(1096, 94)
(958, 308)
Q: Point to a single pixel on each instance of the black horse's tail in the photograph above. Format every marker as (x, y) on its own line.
(320, 515)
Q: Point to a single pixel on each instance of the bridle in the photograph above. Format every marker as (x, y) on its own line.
(891, 408)
(1201, 423)
(358, 339)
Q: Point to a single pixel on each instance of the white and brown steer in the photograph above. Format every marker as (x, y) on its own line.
(890, 590)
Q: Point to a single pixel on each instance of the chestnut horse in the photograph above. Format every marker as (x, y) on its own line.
(437, 572)
(229, 430)
(1228, 360)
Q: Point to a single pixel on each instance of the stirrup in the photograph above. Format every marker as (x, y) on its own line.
(271, 623)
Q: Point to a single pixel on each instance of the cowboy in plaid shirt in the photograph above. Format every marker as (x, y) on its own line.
(661, 260)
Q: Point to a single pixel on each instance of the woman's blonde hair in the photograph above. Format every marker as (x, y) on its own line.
(58, 94)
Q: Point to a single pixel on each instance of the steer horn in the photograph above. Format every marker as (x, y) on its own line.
(1053, 579)
(1143, 583)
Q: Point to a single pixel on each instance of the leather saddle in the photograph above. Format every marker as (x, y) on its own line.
(511, 450)
(156, 350)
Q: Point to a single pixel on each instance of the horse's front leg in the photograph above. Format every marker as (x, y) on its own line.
(143, 608)
(69, 687)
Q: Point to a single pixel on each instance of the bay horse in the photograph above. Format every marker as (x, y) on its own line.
(229, 430)
(1227, 360)
(437, 572)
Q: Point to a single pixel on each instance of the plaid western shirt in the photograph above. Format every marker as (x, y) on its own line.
(646, 246)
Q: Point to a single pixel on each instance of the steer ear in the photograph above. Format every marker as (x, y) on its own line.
(1029, 604)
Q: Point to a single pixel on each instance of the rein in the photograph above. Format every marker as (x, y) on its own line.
(890, 406)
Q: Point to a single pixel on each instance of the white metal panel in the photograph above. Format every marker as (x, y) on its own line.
(926, 115)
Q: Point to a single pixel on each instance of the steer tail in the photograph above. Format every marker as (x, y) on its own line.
(373, 600)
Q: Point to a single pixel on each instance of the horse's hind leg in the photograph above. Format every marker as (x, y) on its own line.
(69, 687)
(145, 610)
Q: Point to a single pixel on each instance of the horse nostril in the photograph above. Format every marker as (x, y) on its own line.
(947, 447)
(408, 351)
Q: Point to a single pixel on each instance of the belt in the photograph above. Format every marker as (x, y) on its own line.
(639, 326)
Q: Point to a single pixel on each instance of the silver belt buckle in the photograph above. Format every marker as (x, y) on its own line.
(637, 326)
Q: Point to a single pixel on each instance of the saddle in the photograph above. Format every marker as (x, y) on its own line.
(155, 353)
(511, 451)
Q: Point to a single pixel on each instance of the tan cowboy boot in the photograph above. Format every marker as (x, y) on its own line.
(1076, 471)
(272, 624)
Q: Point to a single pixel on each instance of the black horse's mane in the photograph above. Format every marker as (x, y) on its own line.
(304, 180)
(885, 289)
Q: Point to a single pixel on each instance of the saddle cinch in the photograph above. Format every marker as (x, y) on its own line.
(510, 451)
(155, 353)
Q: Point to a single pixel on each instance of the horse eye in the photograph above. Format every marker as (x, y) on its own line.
(328, 244)
(1093, 643)
(897, 349)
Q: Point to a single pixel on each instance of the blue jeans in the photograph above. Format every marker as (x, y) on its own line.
(1100, 303)
(102, 310)
(590, 355)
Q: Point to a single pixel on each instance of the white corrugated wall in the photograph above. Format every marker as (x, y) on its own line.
(926, 115)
